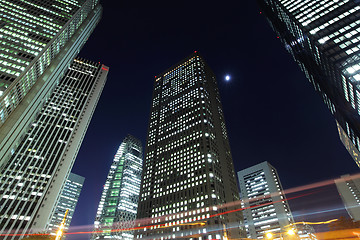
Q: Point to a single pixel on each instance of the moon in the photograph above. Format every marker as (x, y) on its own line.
(227, 78)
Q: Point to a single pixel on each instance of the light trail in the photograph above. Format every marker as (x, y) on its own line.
(261, 205)
(235, 203)
(164, 225)
(313, 223)
(319, 212)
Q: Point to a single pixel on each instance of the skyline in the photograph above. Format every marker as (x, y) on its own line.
(285, 117)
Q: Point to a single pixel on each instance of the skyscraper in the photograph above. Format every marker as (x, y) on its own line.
(188, 182)
(349, 189)
(323, 37)
(31, 181)
(39, 41)
(67, 201)
(266, 208)
(119, 199)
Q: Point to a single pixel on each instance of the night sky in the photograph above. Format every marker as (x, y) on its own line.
(271, 110)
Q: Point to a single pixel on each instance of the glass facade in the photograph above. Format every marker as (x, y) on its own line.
(118, 205)
(32, 34)
(188, 179)
(30, 182)
(265, 206)
(323, 37)
(67, 201)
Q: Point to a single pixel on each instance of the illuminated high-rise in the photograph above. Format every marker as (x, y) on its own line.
(39, 40)
(119, 199)
(67, 201)
(348, 187)
(188, 184)
(266, 209)
(323, 37)
(32, 180)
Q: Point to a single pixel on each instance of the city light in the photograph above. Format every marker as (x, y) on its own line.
(187, 187)
(59, 233)
(269, 235)
(316, 223)
(147, 222)
(291, 232)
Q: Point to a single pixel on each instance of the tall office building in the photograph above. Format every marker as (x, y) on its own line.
(323, 37)
(349, 189)
(188, 181)
(266, 208)
(39, 41)
(119, 200)
(67, 201)
(31, 181)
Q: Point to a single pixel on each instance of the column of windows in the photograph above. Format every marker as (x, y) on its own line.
(25, 36)
(25, 178)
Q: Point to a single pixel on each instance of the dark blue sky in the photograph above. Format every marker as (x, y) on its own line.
(272, 111)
